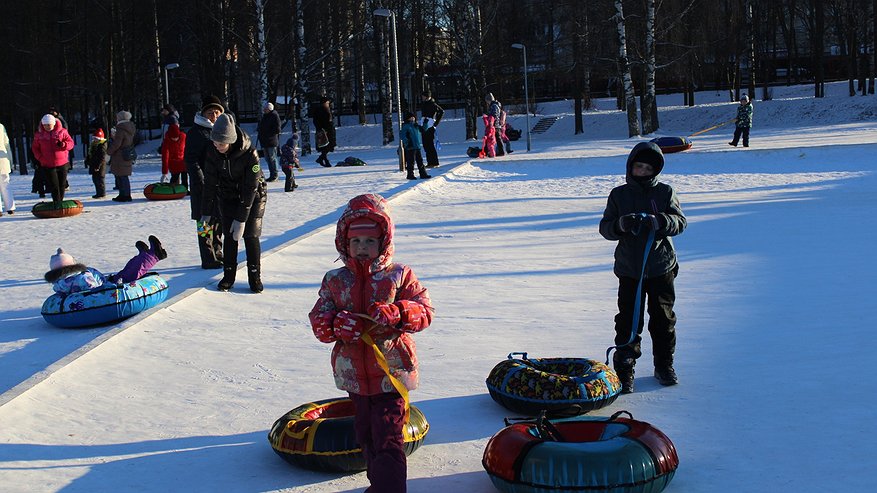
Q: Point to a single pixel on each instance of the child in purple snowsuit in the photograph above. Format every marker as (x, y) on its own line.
(289, 161)
(67, 276)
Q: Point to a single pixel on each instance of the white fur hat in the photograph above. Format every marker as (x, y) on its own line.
(269, 106)
(61, 259)
(123, 115)
(48, 119)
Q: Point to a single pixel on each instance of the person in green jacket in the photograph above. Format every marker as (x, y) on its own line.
(744, 122)
(641, 206)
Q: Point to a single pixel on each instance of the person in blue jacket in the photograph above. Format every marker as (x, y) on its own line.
(412, 143)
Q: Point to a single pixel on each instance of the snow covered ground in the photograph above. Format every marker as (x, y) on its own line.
(775, 352)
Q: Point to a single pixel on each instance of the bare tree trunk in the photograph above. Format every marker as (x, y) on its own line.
(624, 69)
(158, 62)
(819, 47)
(300, 52)
(386, 77)
(750, 47)
(261, 50)
(649, 101)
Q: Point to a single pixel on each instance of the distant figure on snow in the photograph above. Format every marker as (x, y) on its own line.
(744, 122)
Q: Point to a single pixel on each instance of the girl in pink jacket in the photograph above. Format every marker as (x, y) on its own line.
(372, 294)
(51, 147)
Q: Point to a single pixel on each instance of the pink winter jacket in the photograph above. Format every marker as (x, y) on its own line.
(354, 288)
(52, 148)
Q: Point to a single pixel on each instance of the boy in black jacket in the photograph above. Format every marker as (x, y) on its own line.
(634, 211)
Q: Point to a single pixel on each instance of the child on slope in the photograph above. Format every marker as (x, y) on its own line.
(96, 162)
(372, 294)
(68, 276)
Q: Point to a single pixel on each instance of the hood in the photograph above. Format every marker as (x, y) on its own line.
(647, 152)
(202, 121)
(376, 208)
(173, 131)
(62, 272)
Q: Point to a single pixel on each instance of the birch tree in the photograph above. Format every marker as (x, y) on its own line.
(261, 50)
(624, 69)
(649, 101)
(300, 90)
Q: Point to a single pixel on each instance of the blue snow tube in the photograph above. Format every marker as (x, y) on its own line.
(670, 145)
(106, 304)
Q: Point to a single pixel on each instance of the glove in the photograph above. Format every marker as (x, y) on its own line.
(628, 222)
(237, 230)
(165, 178)
(348, 327)
(385, 314)
(654, 222)
(60, 144)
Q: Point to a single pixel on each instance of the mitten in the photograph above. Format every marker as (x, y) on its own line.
(655, 222)
(348, 327)
(325, 334)
(384, 314)
(237, 230)
(60, 144)
(627, 222)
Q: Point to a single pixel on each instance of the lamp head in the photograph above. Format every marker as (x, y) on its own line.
(171, 66)
(383, 12)
(518, 46)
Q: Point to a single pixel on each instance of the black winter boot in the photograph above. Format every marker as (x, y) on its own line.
(141, 247)
(157, 249)
(254, 276)
(227, 281)
(411, 176)
(624, 370)
(666, 375)
(423, 174)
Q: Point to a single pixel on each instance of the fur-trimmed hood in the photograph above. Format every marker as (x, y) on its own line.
(62, 272)
(376, 208)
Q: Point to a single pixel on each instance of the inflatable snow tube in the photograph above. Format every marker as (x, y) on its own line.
(670, 145)
(473, 151)
(164, 191)
(320, 436)
(351, 161)
(49, 209)
(614, 455)
(560, 386)
(106, 304)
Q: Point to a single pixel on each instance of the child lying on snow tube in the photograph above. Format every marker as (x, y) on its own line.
(67, 276)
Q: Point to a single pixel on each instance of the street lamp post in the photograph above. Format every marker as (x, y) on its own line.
(389, 13)
(519, 46)
(170, 66)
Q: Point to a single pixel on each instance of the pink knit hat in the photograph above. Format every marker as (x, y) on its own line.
(61, 259)
(364, 227)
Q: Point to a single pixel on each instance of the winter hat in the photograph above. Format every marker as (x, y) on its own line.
(173, 131)
(123, 115)
(364, 226)
(223, 130)
(744, 98)
(169, 108)
(98, 135)
(211, 102)
(61, 259)
(48, 120)
(324, 99)
(409, 115)
(489, 97)
(268, 106)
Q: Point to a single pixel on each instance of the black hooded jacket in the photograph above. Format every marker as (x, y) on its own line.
(651, 197)
(233, 176)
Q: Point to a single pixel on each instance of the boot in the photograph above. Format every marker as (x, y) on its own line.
(157, 249)
(290, 185)
(411, 175)
(255, 278)
(272, 177)
(141, 247)
(228, 273)
(624, 370)
(666, 375)
(423, 174)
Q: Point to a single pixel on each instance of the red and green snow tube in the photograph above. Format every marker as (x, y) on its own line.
(164, 191)
(582, 454)
(65, 208)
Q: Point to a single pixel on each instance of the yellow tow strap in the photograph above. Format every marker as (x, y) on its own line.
(382, 362)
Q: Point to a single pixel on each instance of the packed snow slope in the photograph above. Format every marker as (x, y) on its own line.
(774, 354)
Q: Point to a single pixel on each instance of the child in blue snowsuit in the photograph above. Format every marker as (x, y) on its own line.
(412, 143)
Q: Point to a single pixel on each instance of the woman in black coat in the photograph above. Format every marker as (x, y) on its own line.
(233, 177)
(323, 121)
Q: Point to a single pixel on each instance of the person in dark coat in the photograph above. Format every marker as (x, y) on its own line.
(743, 122)
(233, 179)
(197, 144)
(634, 210)
(96, 161)
(431, 113)
(268, 131)
(323, 121)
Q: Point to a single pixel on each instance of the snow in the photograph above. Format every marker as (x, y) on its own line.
(777, 377)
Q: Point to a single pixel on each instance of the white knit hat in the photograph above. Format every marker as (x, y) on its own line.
(123, 115)
(48, 119)
(269, 106)
(61, 259)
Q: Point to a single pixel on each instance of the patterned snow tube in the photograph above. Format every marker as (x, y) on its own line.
(670, 145)
(614, 455)
(106, 304)
(49, 209)
(164, 191)
(320, 436)
(560, 386)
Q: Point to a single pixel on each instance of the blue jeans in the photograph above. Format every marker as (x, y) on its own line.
(123, 183)
(271, 157)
